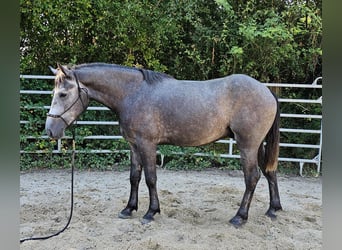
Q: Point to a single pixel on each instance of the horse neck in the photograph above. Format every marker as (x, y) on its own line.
(110, 86)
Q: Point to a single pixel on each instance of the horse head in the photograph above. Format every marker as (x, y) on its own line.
(70, 99)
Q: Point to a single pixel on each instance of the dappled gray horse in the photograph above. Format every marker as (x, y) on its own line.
(154, 108)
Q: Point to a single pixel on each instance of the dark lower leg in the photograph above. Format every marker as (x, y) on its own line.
(151, 181)
(133, 197)
(252, 177)
(274, 194)
(135, 177)
(272, 185)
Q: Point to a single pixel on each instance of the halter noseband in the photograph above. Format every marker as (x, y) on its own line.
(66, 110)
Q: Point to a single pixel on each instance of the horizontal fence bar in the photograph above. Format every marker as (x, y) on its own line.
(313, 85)
(91, 151)
(44, 77)
(297, 145)
(293, 85)
(318, 101)
(48, 107)
(89, 137)
(36, 92)
(296, 130)
(97, 123)
(301, 116)
(102, 137)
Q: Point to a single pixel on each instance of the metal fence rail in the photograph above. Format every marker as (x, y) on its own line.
(230, 142)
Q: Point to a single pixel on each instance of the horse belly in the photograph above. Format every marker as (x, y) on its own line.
(194, 133)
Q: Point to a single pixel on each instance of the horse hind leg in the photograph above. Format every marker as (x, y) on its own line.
(271, 177)
(252, 176)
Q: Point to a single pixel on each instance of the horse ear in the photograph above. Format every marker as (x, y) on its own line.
(54, 71)
(65, 70)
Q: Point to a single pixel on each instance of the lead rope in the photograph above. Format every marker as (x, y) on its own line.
(72, 195)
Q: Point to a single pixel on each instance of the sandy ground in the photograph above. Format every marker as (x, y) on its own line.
(195, 210)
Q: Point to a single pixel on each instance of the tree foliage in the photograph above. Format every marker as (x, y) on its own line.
(276, 41)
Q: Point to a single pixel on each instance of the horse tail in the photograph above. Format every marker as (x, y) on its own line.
(270, 154)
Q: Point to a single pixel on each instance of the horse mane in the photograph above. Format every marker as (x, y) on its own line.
(152, 77)
(149, 76)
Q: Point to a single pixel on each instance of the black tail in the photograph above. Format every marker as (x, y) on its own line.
(271, 153)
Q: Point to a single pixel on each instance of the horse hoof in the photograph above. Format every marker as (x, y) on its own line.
(123, 215)
(271, 213)
(145, 221)
(237, 221)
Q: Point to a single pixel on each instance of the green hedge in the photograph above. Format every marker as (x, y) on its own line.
(277, 41)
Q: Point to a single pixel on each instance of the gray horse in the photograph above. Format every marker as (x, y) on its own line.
(154, 108)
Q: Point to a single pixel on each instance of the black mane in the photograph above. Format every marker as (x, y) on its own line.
(150, 76)
(153, 76)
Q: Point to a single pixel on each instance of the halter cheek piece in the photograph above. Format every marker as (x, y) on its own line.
(66, 110)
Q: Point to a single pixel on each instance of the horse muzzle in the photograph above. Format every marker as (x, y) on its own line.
(55, 127)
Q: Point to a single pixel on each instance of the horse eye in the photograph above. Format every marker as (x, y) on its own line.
(62, 95)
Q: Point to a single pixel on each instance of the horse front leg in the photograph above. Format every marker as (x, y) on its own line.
(148, 157)
(135, 177)
(252, 176)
